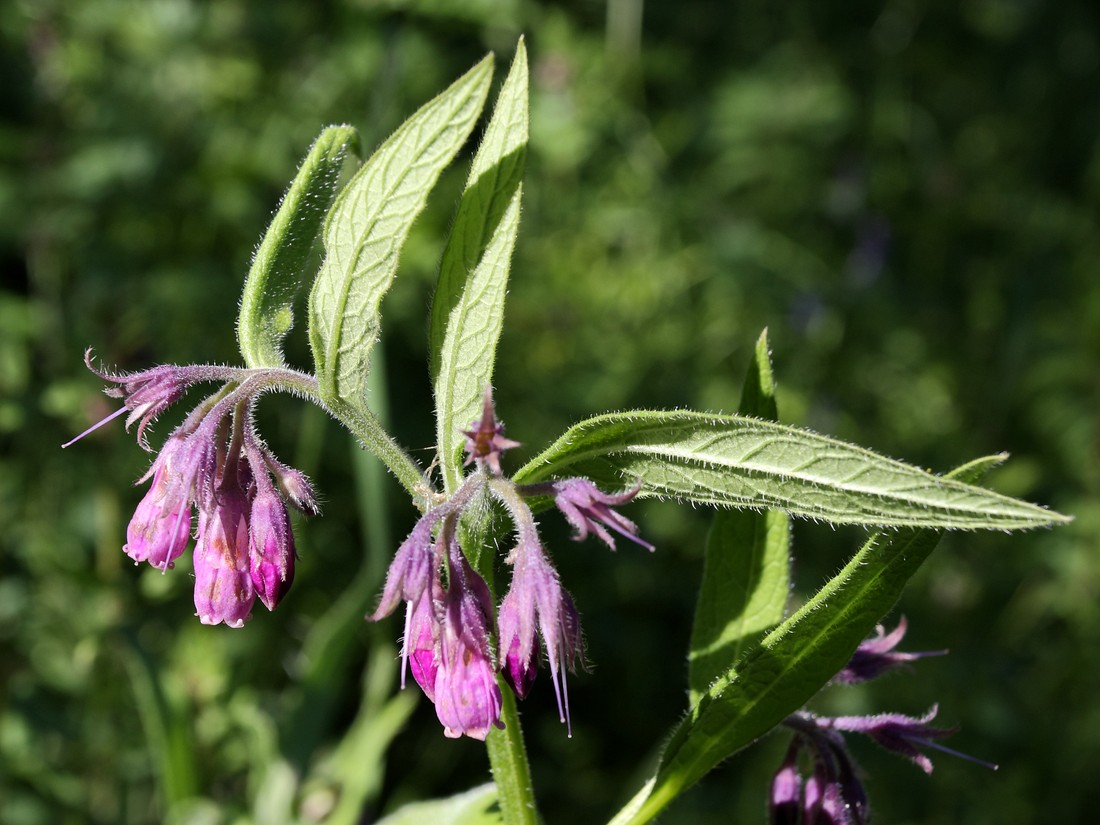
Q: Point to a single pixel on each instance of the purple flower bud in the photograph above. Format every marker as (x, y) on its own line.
(485, 441)
(446, 638)
(518, 644)
(851, 794)
(813, 794)
(271, 546)
(201, 465)
(193, 465)
(586, 508)
(294, 484)
(536, 599)
(877, 655)
(823, 803)
(223, 582)
(161, 525)
(412, 569)
(833, 792)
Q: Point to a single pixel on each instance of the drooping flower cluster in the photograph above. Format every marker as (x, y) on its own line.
(446, 628)
(214, 464)
(449, 628)
(833, 794)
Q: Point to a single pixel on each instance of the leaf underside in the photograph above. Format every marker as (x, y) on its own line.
(476, 806)
(468, 307)
(736, 461)
(367, 227)
(278, 268)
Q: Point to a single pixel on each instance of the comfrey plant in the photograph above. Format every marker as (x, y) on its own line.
(473, 650)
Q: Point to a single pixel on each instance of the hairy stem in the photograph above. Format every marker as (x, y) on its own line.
(362, 423)
(367, 428)
(508, 760)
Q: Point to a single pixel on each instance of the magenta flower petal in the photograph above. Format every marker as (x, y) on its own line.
(224, 591)
(148, 393)
(901, 734)
(161, 525)
(412, 569)
(536, 600)
(786, 790)
(518, 644)
(419, 650)
(467, 697)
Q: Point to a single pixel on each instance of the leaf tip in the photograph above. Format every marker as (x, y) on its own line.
(486, 64)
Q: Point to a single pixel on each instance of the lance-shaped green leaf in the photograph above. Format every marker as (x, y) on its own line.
(783, 671)
(734, 461)
(278, 267)
(367, 227)
(474, 807)
(468, 309)
(746, 569)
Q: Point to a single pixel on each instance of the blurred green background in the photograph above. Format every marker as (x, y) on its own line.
(906, 193)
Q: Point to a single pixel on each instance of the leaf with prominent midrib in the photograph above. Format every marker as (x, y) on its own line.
(278, 267)
(746, 569)
(734, 461)
(368, 225)
(468, 308)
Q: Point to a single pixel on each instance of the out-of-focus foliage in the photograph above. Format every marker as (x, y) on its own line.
(907, 194)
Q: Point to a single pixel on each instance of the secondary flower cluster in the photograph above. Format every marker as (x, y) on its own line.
(213, 463)
(449, 627)
(833, 793)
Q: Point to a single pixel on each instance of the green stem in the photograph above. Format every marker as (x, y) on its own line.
(363, 423)
(508, 760)
(365, 426)
(645, 805)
